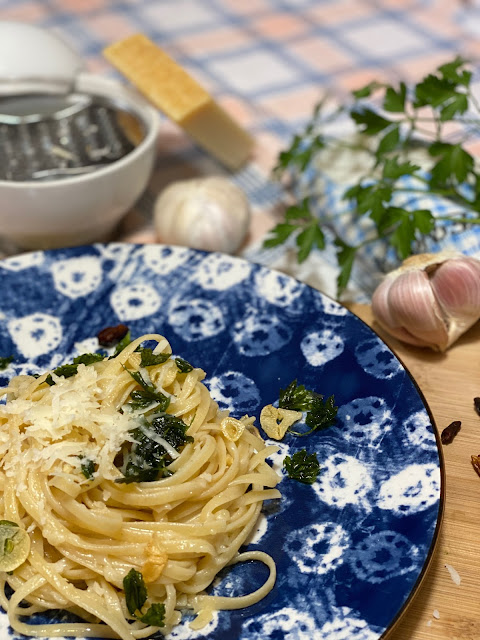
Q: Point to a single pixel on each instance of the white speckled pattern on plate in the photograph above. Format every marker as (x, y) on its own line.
(350, 549)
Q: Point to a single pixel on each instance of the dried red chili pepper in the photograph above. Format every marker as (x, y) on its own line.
(476, 404)
(449, 433)
(476, 463)
(111, 336)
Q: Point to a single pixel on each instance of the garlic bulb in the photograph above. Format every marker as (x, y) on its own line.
(210, 213)
(431, 300)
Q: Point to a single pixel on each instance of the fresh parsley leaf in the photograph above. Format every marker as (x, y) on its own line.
(299, 211)
(88, 358)
(455, 163)
(370, 198)
(322, 414)
(295, 397)
(390, 141)
(367, 90)
(346, 257)
(370, 121)
(279, 234)
(4, 362)
(155, 615)
(433, 91)
(422, 220)
(150, 359)
(394, 100)
(457, 105)
(312, 236)
(451, 71)
(183, 366)
(402, 238)
(408, 224)
(301, 151)
(135, 591)
(394, 168)
(298, 218)
(302, 466)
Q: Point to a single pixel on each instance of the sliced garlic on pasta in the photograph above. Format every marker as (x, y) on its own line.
(232, 428)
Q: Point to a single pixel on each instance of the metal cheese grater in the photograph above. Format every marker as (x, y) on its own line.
(49, 137)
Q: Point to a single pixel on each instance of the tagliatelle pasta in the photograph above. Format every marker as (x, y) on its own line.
(125, 470)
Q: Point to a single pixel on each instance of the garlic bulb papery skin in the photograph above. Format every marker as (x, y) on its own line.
(210, 213)
(431, 300)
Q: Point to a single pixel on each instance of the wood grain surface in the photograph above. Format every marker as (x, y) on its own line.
(449, 383)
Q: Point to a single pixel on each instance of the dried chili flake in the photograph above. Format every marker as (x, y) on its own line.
(449, 433)
(476, 463)
(111, 336)
(476, 404)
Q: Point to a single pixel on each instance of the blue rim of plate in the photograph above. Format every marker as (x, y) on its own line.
(353, 555)
(441, 507)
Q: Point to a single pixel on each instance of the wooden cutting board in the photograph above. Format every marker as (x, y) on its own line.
(440, 608)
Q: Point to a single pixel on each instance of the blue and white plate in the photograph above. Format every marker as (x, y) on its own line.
(350, 549)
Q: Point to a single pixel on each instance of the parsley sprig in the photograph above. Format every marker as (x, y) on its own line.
(391, 123)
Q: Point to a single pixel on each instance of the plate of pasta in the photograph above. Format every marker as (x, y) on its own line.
(142, 490)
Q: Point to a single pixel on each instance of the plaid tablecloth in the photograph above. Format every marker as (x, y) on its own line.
(267, 62)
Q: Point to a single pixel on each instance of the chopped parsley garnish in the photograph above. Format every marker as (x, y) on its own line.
(302, 466)
(154, 616)
(142, 398)
(147, 395)
(149, 358)
(135, 591)
(183, 366)
(88, 358)
(69, 370)
(65, 370)
(136, 597)
(148, 459)
(4, 362)
(88, 468)
(320, 413)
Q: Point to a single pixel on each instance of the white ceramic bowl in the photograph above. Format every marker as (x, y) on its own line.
(84, 208)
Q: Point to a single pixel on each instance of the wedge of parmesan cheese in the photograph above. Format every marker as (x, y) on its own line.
(180, 97)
